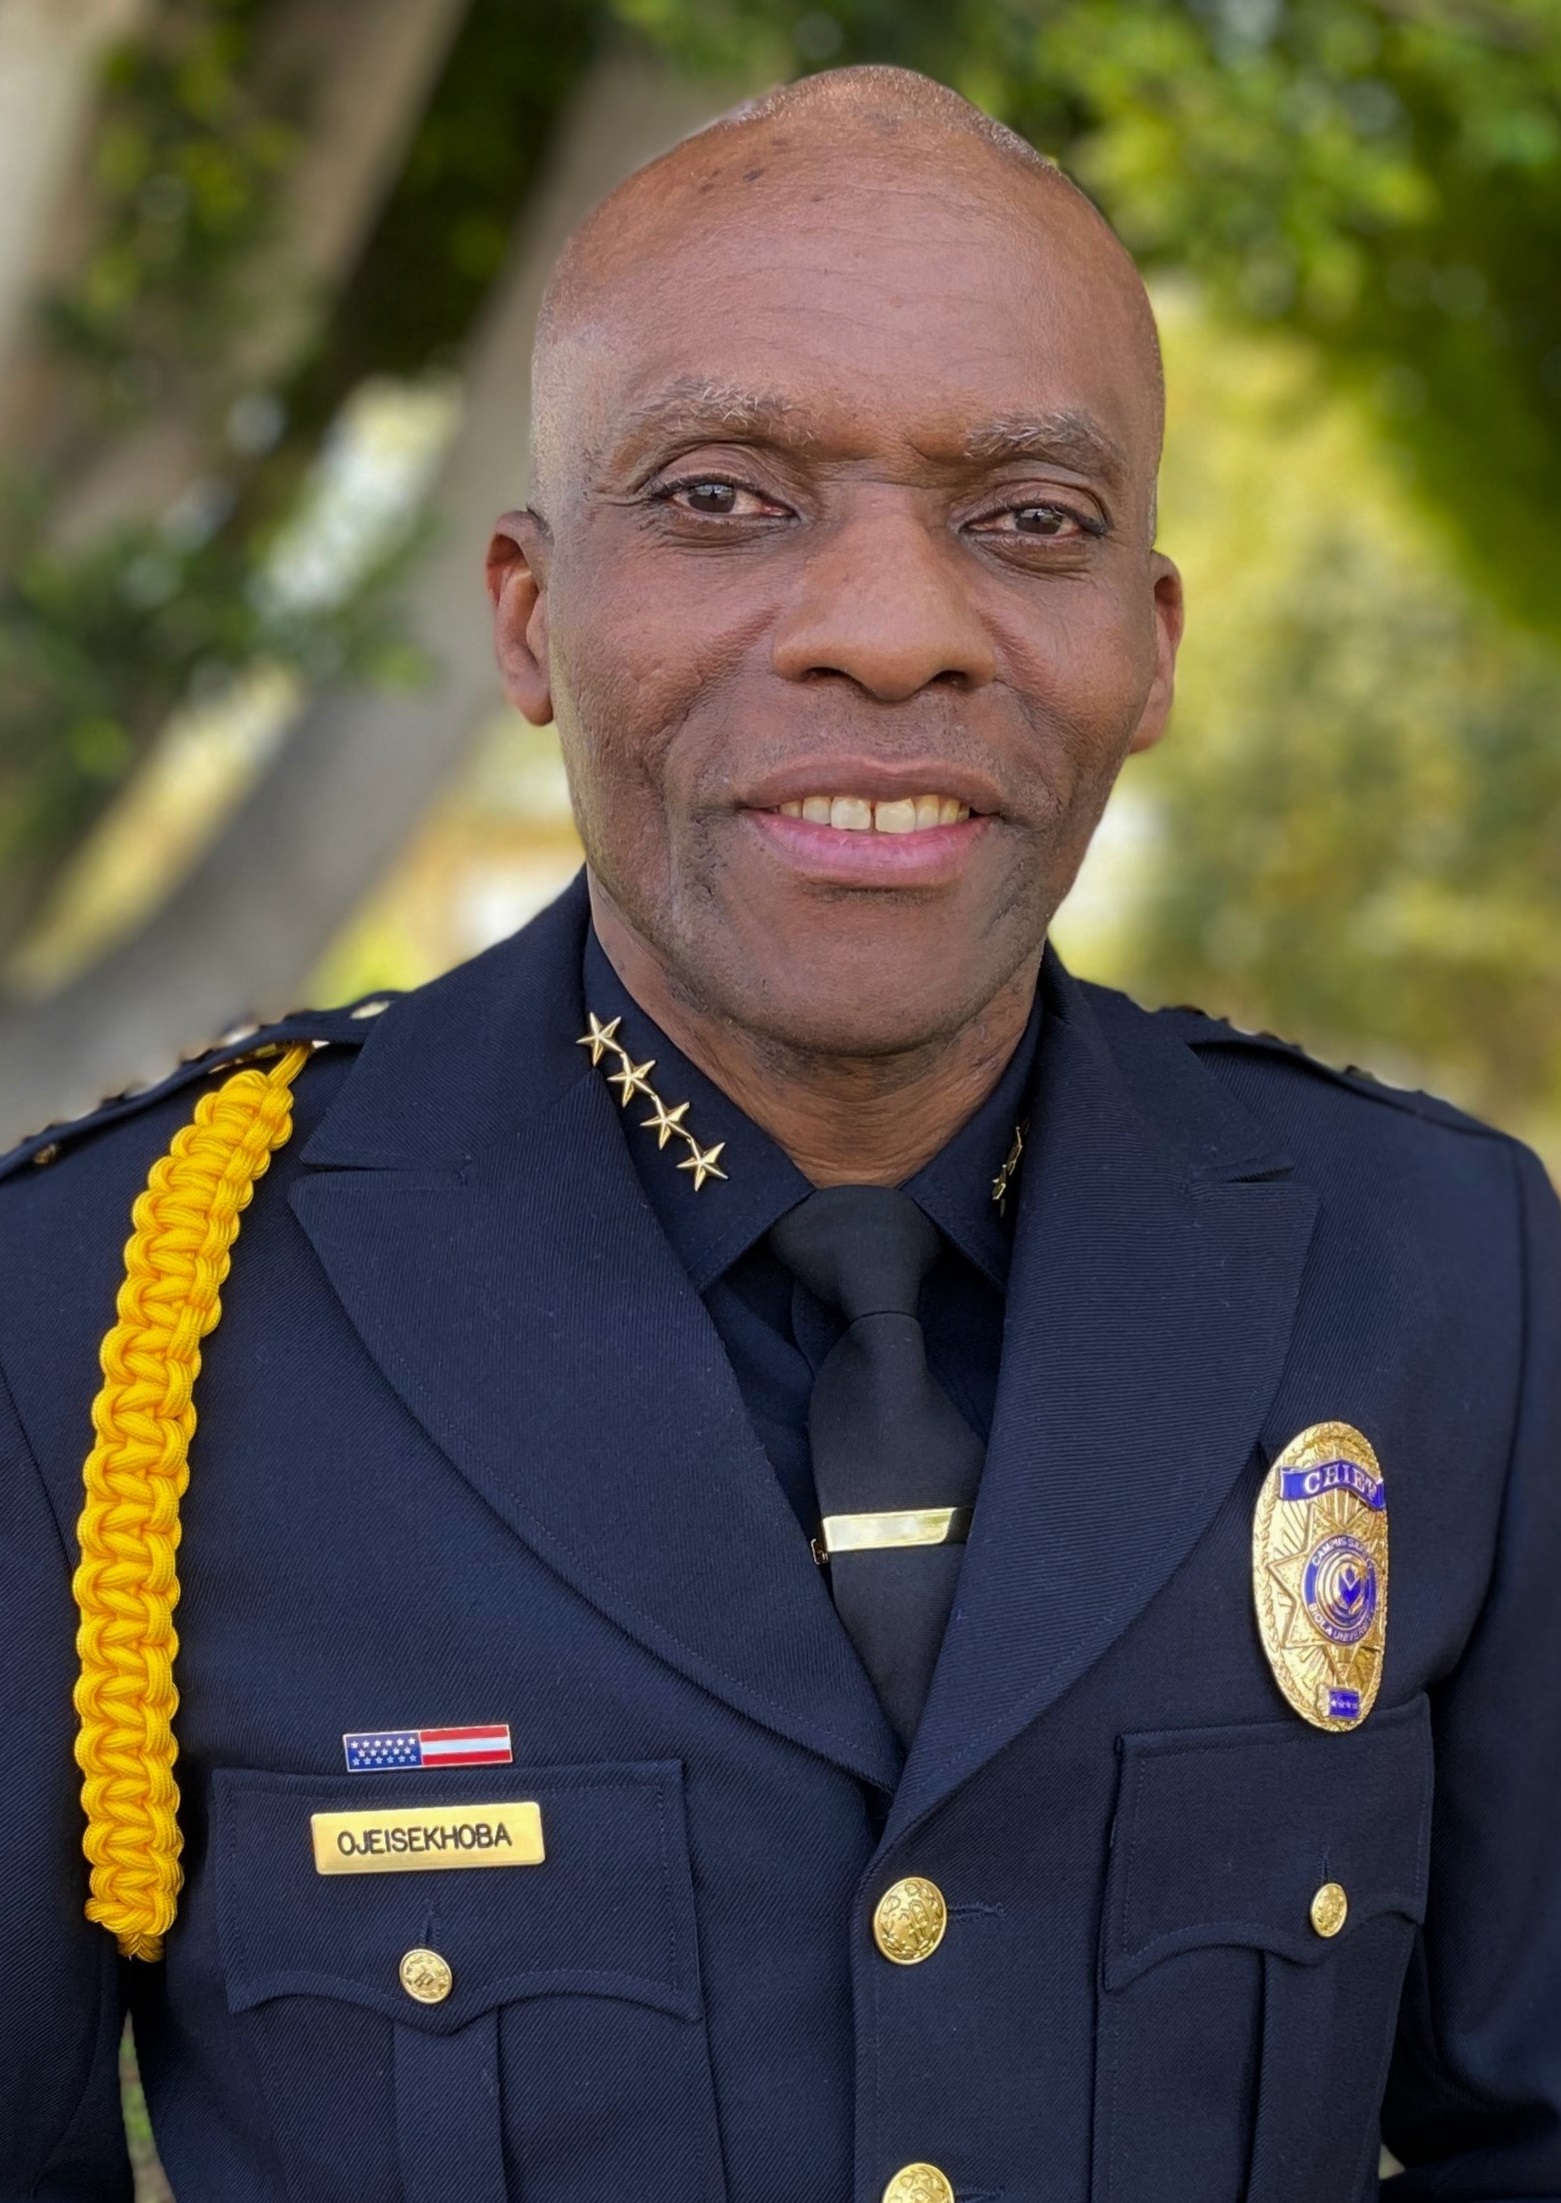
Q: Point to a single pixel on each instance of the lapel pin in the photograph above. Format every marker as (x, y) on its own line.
(1320, 1574)
(391, 1751)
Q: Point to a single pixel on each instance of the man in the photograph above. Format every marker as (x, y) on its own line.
(843, 1474)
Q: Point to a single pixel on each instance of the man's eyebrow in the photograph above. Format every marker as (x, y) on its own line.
(692, 409)
(1070, 438)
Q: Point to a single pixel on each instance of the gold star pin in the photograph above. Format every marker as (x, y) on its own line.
(702, 1162)
(600, 1037)
(665, 1121)
(631, 1078)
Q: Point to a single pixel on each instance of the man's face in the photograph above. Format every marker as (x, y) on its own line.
(848, 613)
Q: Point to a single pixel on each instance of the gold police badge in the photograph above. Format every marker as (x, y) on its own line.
(1320, 1574)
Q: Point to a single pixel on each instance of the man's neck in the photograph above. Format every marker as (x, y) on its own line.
(843, 1120)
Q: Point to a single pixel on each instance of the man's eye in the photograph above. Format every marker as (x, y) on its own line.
(1043, 520)
(715, 499)
(1050, 522)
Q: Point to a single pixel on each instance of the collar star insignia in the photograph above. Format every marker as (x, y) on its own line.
(665, 1121)
(600, 1038)
(702, 1162)
(633, 1078)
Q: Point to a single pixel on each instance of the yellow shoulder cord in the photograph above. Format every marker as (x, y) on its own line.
(126, 1587)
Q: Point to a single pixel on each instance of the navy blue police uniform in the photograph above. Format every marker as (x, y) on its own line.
(493, 1437)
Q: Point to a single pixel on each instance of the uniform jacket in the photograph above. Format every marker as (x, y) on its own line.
(469, 1451)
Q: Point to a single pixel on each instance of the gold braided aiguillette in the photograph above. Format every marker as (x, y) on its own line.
(633, 1078)
(126, 1586)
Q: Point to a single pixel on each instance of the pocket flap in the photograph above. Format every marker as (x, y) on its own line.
(1225, 1836)
(607, 1912)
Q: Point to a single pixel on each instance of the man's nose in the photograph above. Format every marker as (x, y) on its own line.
(884, 603)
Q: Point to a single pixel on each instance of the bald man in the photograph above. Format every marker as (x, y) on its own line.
(785, 1571)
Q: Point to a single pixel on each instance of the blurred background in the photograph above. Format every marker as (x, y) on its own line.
(267, 275)
(268, 270)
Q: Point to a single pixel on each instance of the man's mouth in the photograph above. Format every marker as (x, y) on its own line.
(861, 815)
(891, 840)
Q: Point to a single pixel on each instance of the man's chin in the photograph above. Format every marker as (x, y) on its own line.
(850, 1002)
(827, 971)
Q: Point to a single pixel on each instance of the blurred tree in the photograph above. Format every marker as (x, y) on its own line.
(1353, 833)
(50, 59)
(240, 153)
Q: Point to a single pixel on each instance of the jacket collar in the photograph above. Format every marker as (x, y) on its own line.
(712, 1225)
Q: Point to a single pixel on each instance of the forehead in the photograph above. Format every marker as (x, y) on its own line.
(869, 306)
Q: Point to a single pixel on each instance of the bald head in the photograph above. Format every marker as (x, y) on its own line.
(785, 158)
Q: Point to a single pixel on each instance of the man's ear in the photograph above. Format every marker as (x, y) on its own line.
(517, 583)
(1169, 618)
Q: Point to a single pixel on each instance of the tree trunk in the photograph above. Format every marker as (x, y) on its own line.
(242, 931)
(49, 55)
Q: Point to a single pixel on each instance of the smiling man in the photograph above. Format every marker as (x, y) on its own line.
(847, 1480)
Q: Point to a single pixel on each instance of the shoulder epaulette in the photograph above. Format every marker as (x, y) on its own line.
(346, 1027)
(1201, 1030)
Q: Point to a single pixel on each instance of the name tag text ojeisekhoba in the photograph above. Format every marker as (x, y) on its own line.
(415, 1839)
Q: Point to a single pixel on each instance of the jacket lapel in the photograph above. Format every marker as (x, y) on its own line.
(1157, 1265)
(487, 1236)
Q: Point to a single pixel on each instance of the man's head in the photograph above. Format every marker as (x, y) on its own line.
(847, 414)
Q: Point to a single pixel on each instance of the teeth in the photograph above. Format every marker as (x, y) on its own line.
(856, 815)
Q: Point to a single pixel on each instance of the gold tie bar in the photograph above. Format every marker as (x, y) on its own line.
(876, 1533)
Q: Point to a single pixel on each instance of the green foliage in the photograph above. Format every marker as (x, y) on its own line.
(99, 641)
(186, 167)
(1357, 815)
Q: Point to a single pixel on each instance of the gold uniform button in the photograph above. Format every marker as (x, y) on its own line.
(1330, 1909)
(909, 1921)
(919, 2184)
(426, 1976)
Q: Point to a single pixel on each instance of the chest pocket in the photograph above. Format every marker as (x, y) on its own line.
(554, 2046)
(1242, 2051)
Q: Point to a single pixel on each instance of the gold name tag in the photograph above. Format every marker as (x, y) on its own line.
(415, 1839)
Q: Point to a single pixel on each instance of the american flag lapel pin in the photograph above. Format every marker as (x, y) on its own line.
(391, 1751)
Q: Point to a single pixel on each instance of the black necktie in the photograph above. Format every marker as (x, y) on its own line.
(886, 1439)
